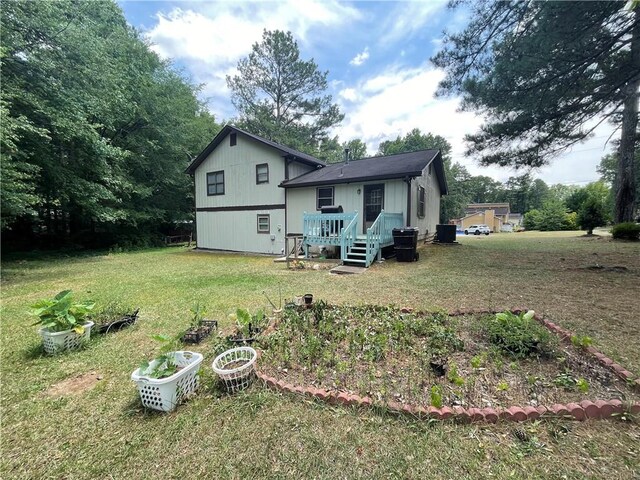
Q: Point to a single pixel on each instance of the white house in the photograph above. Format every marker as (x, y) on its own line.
(250, 192)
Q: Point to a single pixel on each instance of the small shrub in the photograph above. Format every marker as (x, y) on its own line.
(626, 231)
(503, 386)
(581, 341)
(453, 375)
(582, 385)
(518, 335)
(436, 396)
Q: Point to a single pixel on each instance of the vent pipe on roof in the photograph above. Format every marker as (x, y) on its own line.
(346, 156)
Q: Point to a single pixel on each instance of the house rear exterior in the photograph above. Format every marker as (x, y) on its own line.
(250, 193)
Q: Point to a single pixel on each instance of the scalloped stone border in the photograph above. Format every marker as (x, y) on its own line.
(598, 409)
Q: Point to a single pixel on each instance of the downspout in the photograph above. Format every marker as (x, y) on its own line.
(408, 182)
(195, 210)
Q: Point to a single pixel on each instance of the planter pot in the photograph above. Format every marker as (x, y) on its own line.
(116, 325)
(236, 368)
(165, 394)
(56, 342)
(200, 333)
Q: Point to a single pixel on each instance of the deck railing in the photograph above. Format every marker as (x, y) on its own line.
(381, 234)
(324, 228)
(348, 236)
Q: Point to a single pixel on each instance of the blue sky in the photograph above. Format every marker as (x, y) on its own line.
(377, 55)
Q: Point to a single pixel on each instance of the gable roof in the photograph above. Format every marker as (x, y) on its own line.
(401, 165)
(227, 129)
(498, 208)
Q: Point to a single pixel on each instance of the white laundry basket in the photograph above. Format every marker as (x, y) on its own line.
(236, 378)
(165, 394)
(55, 342)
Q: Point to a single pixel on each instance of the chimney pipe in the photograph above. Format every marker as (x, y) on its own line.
(346, 156)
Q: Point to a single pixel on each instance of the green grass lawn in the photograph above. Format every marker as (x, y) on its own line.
(102, 432)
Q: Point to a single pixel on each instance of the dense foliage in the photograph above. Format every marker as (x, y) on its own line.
(626, 231)
(281, 97)
(518, 335)
(545, 75)
(96, 129)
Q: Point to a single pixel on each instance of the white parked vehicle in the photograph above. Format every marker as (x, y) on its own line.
(477, 230)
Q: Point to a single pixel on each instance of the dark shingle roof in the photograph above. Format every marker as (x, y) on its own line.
(401, 165)
(299, 156)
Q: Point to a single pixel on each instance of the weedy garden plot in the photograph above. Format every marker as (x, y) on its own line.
(433, 359)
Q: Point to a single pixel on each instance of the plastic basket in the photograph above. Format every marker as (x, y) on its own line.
(165, 394)
(236, 378)
(55, 342)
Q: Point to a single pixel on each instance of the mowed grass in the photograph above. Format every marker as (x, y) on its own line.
(103, 432)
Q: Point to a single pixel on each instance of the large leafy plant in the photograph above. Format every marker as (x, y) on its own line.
(165, 364)
(250, 324)
(62, 313)
(518, 335)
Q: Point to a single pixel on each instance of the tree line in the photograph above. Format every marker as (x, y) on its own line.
(96, 129)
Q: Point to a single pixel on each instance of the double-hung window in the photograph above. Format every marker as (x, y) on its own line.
(421, 201)
(215, 183)
(262, 173)
(324, 197)
(264, 224)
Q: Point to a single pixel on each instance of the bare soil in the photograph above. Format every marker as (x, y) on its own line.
(74, 385)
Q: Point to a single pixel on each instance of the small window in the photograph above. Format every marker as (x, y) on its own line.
(429, 169)
(420, 201)
(324, 197)
(262, 173)
(215, 183)
(264, 224)
(233, 139)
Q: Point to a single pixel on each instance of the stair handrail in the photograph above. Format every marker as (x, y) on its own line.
(373, 239)
(381, 232)
(348, 236)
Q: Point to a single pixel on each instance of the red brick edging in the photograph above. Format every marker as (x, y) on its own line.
(578, 411)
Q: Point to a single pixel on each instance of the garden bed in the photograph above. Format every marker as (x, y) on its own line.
(432, 360)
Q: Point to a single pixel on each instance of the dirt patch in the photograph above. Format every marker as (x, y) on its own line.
(75, 385)
(605, 268)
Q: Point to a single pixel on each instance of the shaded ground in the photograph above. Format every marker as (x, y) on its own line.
(103, 432)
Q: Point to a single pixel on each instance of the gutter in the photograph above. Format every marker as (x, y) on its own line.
(408, 182)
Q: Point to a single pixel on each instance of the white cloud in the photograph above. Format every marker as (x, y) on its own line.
(407, 18)
(360, 58)
(349, 94)
(210, 38)
(397, 100)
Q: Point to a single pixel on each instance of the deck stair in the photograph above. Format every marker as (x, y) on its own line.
(357, 254)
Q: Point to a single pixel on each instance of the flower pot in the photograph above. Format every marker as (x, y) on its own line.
(56, 342)
(236, 368)
(308, 299)
(165, 394)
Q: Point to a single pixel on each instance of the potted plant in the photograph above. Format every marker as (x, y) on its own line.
(199, 328)
(63, 322)
(248, 325)
(169, 378)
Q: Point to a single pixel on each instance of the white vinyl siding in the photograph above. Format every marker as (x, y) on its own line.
(239, 166)
(236, 231)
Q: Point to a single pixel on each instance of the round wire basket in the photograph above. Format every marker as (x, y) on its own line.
(236, 368)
